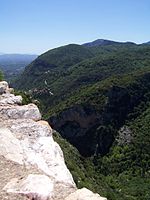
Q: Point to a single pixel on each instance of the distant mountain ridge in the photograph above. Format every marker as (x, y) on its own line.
(147, 43)
(103, 42)
(15, 56)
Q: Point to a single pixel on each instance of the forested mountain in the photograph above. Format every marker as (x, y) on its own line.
(13, 64)
(148, 43)
(97, 96)
(62, 61)
(102, 42)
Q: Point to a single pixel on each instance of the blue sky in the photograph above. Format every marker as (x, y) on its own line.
(35, 26)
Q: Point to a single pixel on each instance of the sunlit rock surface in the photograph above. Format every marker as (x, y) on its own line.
(83, 194)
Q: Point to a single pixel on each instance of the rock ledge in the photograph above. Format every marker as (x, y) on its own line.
(31, 164)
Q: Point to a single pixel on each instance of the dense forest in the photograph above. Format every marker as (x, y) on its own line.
(97, 98)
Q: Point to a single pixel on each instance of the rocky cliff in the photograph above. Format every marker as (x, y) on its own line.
(31, 164)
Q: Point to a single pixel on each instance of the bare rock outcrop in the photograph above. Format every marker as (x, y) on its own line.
(31, 164)
(29, 111)
(125, 136)
(10, 99)
(4, 87)
(83, 194)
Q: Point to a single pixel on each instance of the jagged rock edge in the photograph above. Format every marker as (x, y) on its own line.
(22, 124)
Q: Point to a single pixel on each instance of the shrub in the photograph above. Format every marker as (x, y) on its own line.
(1, 76)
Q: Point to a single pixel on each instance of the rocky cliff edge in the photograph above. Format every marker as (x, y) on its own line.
(31, 164)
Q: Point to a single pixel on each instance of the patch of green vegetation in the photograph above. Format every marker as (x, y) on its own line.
(1, 76)
(26, 97)
(127, 187)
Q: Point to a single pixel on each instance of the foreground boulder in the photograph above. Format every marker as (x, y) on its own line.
(83, 194)
(31, 164)
(19, 112)
(4, 87)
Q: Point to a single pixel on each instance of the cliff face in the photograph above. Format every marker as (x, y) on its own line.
(31, 163)
(74, 124)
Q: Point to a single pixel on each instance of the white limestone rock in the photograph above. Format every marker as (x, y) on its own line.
(3, 87)
(47, 155)
(84, 194)
(35, 186)
(124, 136)
(10, 147)
(10, 99)
(29, 111)
(36, 148)
(28, 128)
(39, 187)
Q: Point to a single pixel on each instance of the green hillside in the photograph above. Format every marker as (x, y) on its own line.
(68, 68)
(98, 99)
(58, 63)
(52, 65)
